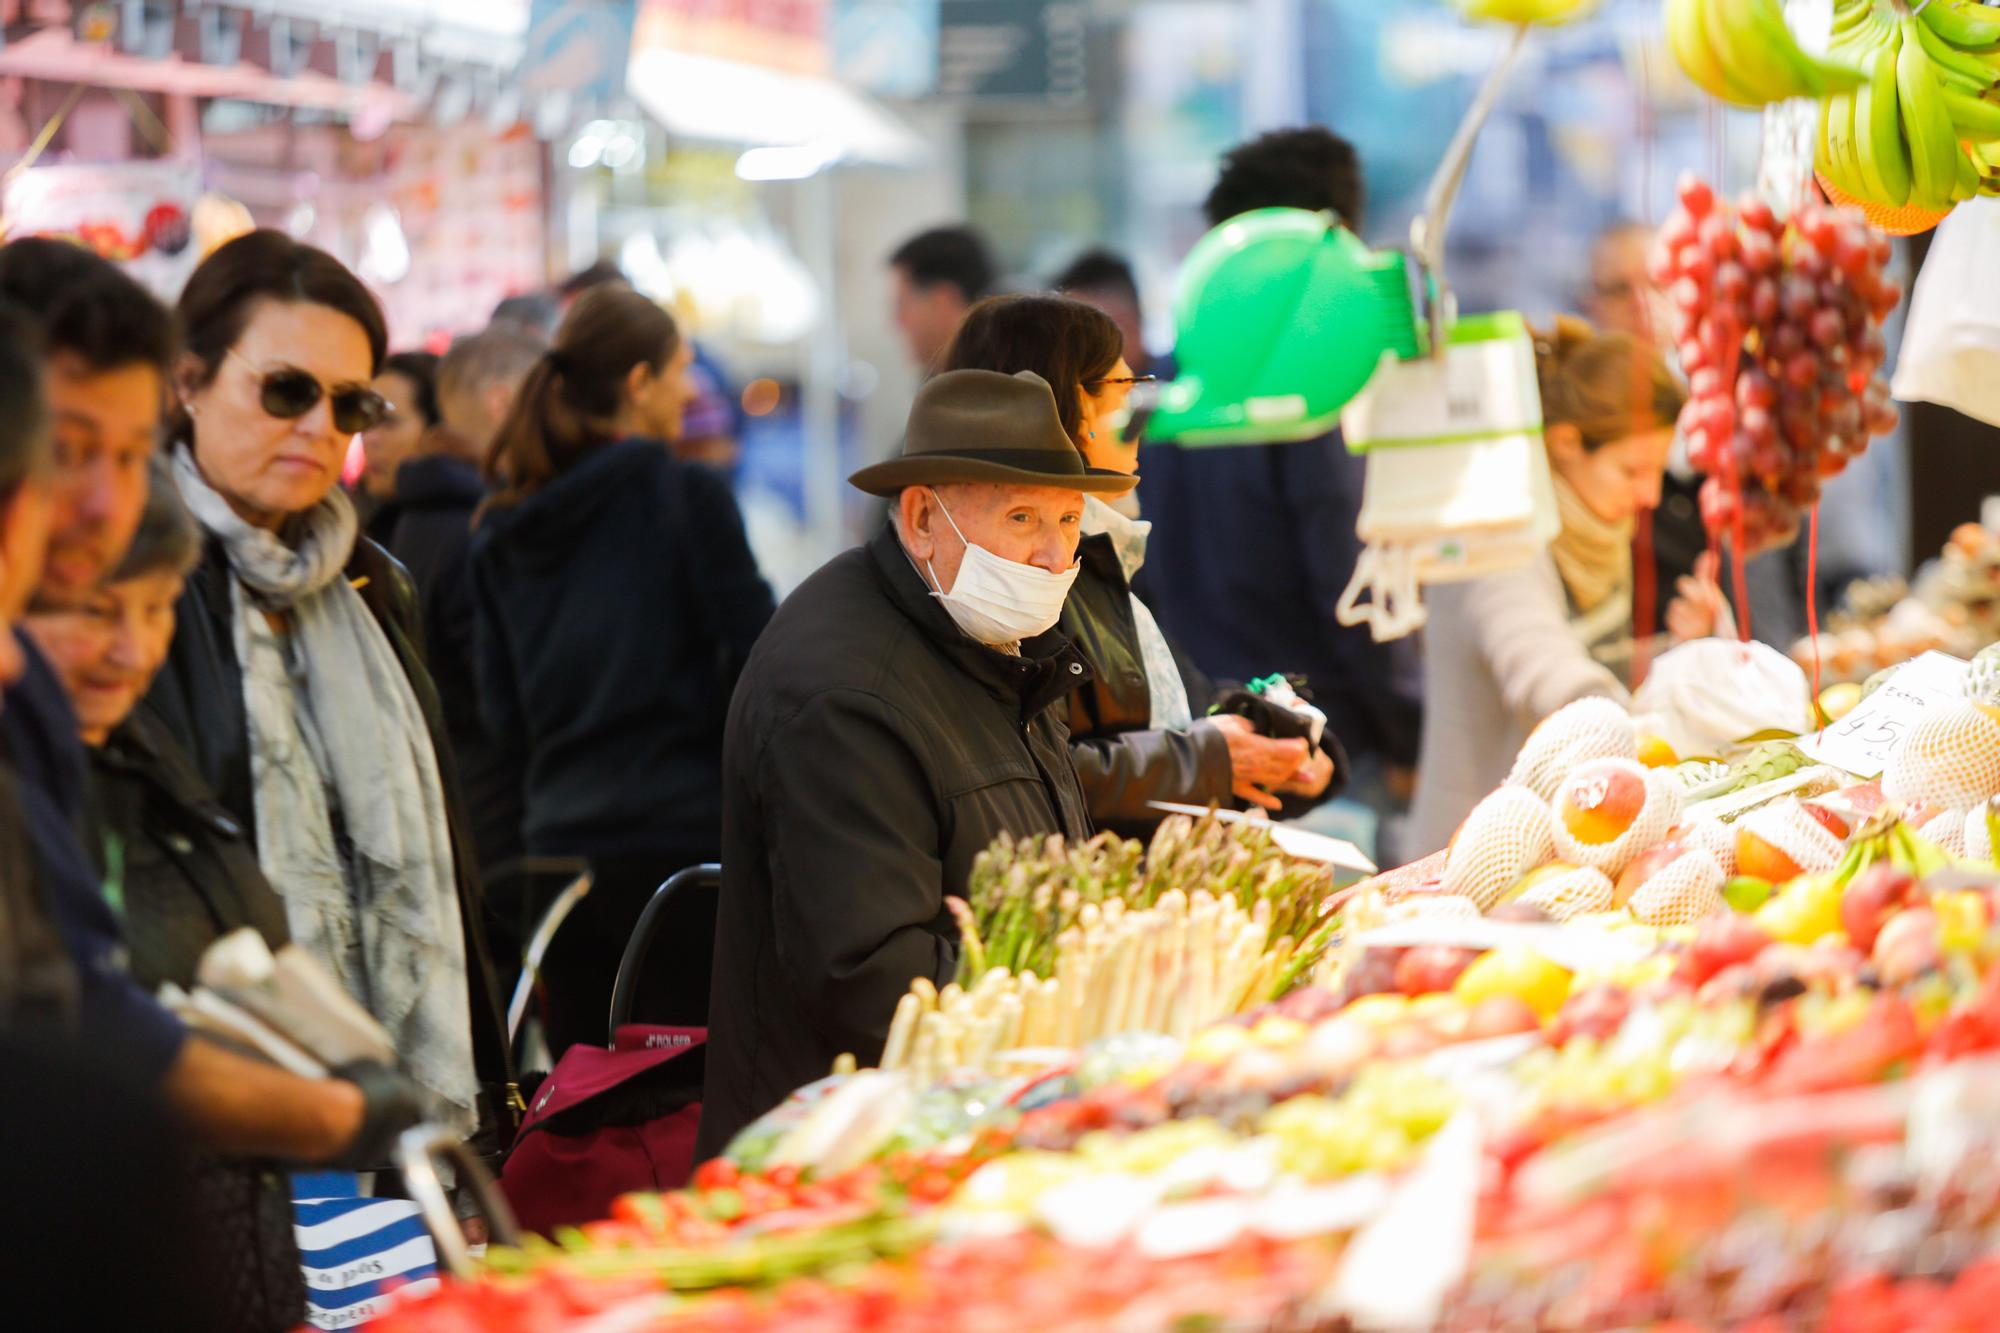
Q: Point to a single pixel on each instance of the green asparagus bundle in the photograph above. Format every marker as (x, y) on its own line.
(1023, 894)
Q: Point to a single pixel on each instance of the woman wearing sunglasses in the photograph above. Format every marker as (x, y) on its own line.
(294, 679)
(1134, 732)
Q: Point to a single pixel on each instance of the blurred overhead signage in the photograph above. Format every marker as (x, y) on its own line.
(577, 47)
(788, 35)
(888, 48)
(1012, 50)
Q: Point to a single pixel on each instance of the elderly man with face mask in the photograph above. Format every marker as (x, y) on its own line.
(894, 719)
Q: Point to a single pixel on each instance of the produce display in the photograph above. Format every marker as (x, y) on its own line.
(1063, 945)
(1752, 1018)
(1666, 1041)
(1779, 326)
(1953, 607)
(1907, 118)
(1920, 130)
(1741, 52)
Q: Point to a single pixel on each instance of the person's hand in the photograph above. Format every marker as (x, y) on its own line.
(1312, 777)
(389, 1104)
(1699, 609)
(1257, 762)
(1401, 780)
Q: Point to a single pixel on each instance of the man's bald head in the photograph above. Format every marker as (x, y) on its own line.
(478, 378)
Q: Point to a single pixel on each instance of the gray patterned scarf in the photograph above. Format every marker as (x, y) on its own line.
(351, 826)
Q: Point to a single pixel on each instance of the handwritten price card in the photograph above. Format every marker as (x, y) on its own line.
(1862, 742)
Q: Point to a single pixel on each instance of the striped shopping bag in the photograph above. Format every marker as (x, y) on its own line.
(356, 1250)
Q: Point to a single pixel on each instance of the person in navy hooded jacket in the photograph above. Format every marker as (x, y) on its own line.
(616, 599)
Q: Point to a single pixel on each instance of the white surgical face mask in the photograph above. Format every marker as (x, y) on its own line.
(999, 601)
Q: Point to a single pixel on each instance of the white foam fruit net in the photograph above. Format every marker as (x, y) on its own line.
(1979, 833)
(1571, 894)
(1656, 818)
(1681, 892)
(1573, 735)
(1948, 830)
(1787, 827)
(1431, 907)
(1982, 677)
(1504, 837)
(1950, 760)
(1714, 837)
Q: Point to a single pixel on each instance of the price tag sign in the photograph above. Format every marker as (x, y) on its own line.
(1862, 742)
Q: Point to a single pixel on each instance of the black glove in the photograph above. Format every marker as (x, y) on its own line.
(390, 1104)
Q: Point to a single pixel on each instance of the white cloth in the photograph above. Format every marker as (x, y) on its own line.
(1164, 686)
(351, 825)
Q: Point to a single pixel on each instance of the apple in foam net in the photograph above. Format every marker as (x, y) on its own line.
(1757, 858)
(1827, 820)
(1601, 800)
(1648, 864)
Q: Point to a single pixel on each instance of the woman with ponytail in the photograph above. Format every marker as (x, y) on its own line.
(1503, 652)
(617, 600)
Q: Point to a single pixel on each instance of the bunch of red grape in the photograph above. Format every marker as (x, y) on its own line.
(1779, 326)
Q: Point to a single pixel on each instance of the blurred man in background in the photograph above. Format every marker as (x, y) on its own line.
(1252, 545)
(1621, 298)
(1103, 278)
(477, 383)
(938, 274)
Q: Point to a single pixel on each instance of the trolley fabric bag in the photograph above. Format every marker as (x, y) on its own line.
(605, 1123)
(356, 1250)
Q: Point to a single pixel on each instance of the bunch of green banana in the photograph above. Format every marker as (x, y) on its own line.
(1924, 129)
(1741, 52)
(1546, 13)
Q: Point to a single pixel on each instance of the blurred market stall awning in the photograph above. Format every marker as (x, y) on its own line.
(731, 101)
(54, 54)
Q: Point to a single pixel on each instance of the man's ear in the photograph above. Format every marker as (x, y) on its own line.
(914, 514)
(496, 398)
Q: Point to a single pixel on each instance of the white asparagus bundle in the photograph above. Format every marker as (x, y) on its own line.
(1175, 967)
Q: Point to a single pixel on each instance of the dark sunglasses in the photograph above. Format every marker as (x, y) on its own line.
(289, 394)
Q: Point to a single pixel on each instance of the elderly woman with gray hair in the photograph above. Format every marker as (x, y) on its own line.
(179, 869)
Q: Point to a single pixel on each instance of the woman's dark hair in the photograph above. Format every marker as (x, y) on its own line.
(420, 369)
(1066, 342)
(219, 300)
(1607, 385)
(569, 403)
(168, 540)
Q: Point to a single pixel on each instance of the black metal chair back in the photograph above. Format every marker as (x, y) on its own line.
(674, 894)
